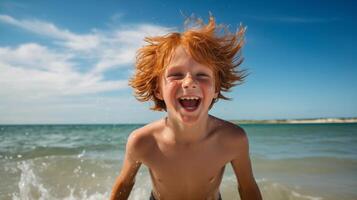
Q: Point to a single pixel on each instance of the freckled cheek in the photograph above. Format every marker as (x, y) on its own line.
(171, 83)
(208, 86)
(171, 89)
(172, 86)
(208, 89)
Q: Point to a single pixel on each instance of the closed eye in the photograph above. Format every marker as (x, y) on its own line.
(177, 74)
(202, 75)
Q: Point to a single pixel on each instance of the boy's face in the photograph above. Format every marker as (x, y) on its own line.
(187, 87)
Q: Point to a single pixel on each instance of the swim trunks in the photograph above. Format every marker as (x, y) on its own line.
(153, 198)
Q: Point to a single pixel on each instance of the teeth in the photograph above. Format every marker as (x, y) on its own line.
(189, 98)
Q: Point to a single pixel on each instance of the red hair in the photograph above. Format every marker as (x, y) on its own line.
(222, 54)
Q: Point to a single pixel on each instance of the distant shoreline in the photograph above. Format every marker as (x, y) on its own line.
(299, 121)
(272, 121)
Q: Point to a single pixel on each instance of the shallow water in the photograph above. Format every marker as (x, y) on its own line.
(301, 161)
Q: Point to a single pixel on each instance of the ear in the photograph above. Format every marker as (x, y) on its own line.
(158, 94)
(215, 95)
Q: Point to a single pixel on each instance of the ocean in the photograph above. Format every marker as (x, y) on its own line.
(72, 162)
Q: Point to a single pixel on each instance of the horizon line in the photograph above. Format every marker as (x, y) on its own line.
(141, 123)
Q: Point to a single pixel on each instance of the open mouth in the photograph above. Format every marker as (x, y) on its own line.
(190, 103)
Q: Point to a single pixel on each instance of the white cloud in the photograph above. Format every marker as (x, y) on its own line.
(107, 50)
(73, 65)
(76, 42)
(32, 70)
(81, 109)
(118, 48)
(32, 55)
(111, 49)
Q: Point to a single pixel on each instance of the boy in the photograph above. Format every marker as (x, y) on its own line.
(186, 152)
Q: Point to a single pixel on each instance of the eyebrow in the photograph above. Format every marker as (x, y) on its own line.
(175, 67)
(206, 71)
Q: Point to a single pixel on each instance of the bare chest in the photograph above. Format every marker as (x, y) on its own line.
(187, 170)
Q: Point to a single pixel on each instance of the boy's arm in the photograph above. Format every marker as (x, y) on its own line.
(125, 181)
(247, 187)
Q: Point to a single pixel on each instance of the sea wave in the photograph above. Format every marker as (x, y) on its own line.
(32, 185)
(275, 190)
(43, 151)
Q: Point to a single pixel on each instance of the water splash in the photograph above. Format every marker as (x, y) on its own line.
(31, 187)
(274, 190)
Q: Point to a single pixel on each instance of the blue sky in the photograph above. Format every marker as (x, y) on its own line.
(66, 62)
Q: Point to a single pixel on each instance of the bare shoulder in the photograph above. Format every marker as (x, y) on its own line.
(228, 130)
(142, 140)
(231, 136)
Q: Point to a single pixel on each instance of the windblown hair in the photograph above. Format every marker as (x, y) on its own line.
(208, 44)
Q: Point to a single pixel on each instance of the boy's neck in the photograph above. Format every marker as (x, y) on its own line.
(182, 133)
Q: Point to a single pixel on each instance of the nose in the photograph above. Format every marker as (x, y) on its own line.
(189, 82)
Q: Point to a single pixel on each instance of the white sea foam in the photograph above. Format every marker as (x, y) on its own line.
(274, 190)
(305, 196)
(31, 187)
(81, 154)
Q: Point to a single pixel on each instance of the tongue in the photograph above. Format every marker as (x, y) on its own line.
(189, 103)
